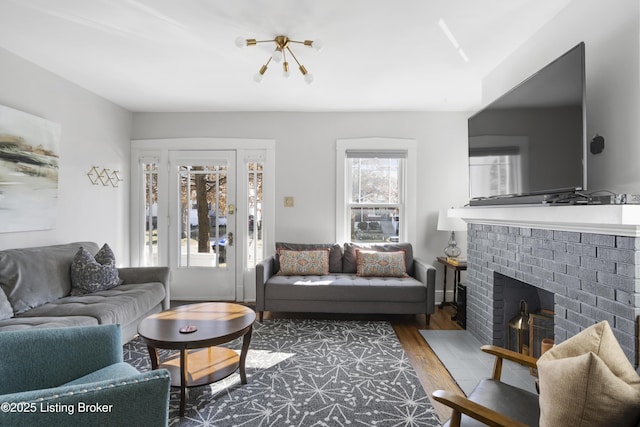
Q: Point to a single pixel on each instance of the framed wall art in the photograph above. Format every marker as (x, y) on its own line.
(29, 161)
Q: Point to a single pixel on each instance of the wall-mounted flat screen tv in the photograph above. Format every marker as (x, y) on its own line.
(529, 145)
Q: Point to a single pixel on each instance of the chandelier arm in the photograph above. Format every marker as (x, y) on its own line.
(262, 41)
(294, 57)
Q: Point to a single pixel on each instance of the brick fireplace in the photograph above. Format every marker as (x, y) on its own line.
(588, 257)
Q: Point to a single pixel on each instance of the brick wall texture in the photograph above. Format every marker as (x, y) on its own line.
(594, 277)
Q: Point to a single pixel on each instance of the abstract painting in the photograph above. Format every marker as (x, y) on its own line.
(29, 157)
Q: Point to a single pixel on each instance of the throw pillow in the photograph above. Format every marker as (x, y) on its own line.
(6, 311)
(92, 274)
(588, 381)
(380, 264)
(304, 263)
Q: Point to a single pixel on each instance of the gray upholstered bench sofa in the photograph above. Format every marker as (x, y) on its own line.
(35, 292)
(342, 289)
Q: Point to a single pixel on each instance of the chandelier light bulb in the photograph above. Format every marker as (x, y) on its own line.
(308, 78)
(285, 69)
(241, 41)
(277, 55)
(258, 76)
(317, 44)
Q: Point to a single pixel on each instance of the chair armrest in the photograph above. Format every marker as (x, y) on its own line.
(264, 270)
(503, 353)
(461, 405)
(132, 275)
(426, 273)
(43, 358)
(140, 400)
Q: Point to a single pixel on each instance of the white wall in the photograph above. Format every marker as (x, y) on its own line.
(306, 156)
(611, 34)
(93, 132)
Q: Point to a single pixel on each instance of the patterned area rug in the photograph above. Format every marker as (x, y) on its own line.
(309, 373)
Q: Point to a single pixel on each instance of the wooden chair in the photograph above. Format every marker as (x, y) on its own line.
(493, 402)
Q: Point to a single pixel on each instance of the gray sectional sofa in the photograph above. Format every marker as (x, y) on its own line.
(35, 286)
(343, 290)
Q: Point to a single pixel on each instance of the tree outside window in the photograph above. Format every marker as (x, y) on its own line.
(375, 197)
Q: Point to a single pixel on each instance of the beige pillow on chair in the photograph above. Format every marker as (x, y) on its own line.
(588, 381)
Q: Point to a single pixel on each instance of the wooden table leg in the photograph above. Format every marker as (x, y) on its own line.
(246, 339)
(153, 355)
(444, 289)
(183, 380)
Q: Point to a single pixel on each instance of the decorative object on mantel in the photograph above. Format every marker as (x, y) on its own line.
(447, 223)
(280, 54)
(104, 176)
(29, 157)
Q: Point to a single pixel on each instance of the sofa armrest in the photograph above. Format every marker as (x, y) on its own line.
(264, 270)
(131, 275)
(43, 358)
(426, 273)
(139, 400)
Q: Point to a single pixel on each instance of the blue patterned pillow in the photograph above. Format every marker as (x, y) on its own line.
(92, 274)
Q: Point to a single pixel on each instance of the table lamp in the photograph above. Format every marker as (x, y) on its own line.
(447, 223)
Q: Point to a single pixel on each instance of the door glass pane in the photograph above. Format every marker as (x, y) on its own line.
(255, 252)
(150, 251)
(203, 208)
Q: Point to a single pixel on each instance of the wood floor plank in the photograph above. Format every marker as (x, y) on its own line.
(430, 371)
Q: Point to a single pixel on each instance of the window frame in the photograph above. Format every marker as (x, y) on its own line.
(407, 185)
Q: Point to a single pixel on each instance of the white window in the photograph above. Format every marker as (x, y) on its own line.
(376, 190)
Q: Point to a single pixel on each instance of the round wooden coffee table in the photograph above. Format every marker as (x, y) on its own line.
(200, 362)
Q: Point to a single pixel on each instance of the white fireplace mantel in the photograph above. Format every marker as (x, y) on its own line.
(618, 220)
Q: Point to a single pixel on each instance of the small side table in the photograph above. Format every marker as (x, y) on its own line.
(457, 266)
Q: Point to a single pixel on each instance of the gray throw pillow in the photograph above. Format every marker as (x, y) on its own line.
(6, 311)
(92, 274)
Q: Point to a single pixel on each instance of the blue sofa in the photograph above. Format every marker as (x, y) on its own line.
(75, 376)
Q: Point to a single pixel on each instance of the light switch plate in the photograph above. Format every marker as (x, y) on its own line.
(288, 202)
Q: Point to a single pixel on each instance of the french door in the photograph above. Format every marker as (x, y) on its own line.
(202, 223)
(204, 207)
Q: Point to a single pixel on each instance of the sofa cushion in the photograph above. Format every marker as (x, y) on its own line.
(349, 260)
(6, 311)
(345, 287)
(31, 277)
(116, 305)
(593, 378)
(335, 254)
(22, 322)
(304, 263)
(380, 264)
(91, 274)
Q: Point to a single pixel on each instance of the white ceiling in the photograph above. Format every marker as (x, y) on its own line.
(179, 55)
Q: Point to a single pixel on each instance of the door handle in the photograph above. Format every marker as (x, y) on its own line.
(230, 238)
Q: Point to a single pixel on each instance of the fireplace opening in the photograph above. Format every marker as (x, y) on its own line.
(527, 315)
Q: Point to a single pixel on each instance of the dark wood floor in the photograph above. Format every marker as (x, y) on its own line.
(431, 373)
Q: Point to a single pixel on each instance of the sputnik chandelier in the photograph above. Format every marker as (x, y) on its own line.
(280, 55)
